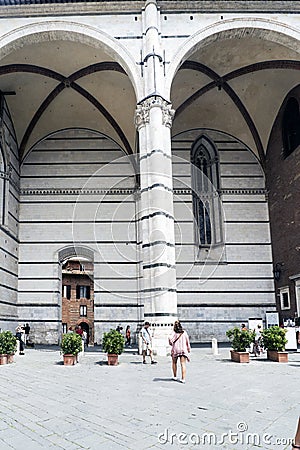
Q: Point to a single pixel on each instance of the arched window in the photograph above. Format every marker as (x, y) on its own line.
(205, 187)
(291, 126)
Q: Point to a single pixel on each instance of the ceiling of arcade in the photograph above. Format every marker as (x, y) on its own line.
(100, 97)
(244, 104)
(51, 94)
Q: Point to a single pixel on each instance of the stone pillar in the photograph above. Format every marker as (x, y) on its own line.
(153, 121)
(153, 118)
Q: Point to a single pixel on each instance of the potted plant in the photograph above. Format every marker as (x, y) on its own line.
(274, 341)
(113, 345)
(71, 345)
(10, 345)
(3, 353)
(240, 339)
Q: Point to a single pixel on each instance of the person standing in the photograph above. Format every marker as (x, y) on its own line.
(84, 338)
(19, 335)
(128, 336)
(257, 347)
(78, 330)
(26, 335)
(181, 349)
(146, 343)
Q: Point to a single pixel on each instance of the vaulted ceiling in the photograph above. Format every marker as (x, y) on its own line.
(61, 84)
(236, 85)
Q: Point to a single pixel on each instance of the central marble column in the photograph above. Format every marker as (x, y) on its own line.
(156, 216)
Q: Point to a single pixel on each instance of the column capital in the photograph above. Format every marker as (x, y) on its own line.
(142, 113)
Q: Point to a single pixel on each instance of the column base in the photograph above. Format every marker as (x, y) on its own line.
(160, 343)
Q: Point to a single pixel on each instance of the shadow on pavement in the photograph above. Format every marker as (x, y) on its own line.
(101, 363)
(164, 379)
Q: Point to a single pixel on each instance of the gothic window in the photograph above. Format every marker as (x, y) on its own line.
(205, 187)
(291, 127)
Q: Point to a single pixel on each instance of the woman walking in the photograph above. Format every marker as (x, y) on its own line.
(128, 336)
(181, 348)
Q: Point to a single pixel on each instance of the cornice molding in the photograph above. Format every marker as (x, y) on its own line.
(61, 8)
(73, 7)
(231, 6)
(126, 191)
(189, 191)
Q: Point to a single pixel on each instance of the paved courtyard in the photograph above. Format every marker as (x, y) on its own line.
(223, 405)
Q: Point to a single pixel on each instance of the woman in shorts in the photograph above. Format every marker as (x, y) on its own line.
(181, 348)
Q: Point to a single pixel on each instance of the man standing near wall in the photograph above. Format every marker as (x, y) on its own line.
(147, 343)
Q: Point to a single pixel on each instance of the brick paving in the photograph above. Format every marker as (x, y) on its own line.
(223, 405)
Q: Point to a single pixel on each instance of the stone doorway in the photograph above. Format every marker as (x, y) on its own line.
(85, 326)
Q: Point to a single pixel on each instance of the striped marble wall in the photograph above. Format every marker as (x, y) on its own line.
(233, 282)
(9, 196)
(77, 189)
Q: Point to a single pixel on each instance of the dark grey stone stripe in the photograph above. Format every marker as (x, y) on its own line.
(248, 292)
(39, 305)
(156, 185)
(157, 213)
(153, 152)
(225, 305)
(152, 244)
(117, 305)
(9, 272)
(8, 233)
(116, 321)
(38, 292)
(8, 287)
(160, 314)
(3, 302)
(159, 289)
(152, 266)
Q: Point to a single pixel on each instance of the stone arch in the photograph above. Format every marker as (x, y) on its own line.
(242, 27)
(76, 32)
(204, 132)
(131, 160)
(75, 250)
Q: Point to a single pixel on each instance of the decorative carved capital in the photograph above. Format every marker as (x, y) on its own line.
(168, 114)
(142, 114)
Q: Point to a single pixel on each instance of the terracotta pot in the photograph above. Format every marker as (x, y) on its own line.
(112, 359)
(240, 357)
(3, 359)
(10, 358)
(69, 360)
(274, 355)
